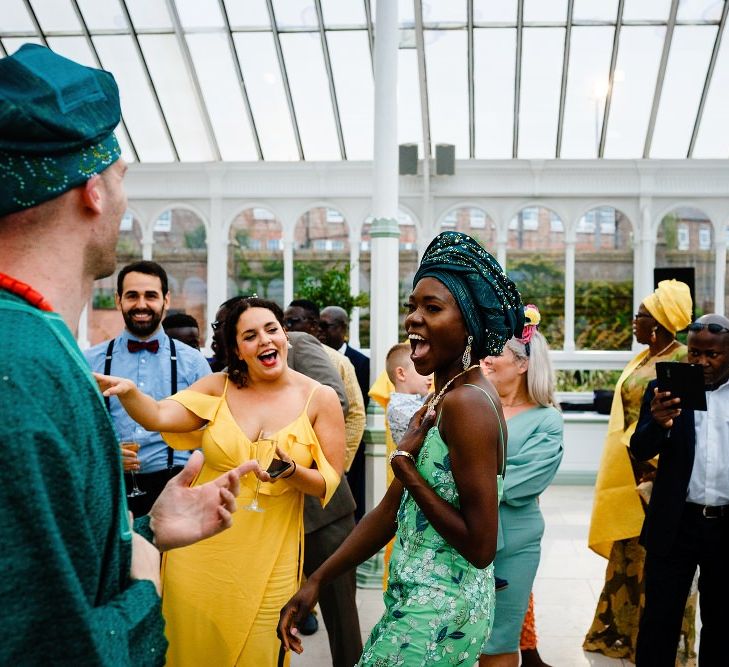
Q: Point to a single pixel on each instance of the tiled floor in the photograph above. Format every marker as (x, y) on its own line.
(568, 583)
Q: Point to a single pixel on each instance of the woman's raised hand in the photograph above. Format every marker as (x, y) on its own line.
(419, 425)
(113, 386)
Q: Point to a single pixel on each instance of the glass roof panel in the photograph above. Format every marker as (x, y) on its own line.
(587, 85)
(126, 149)
(636, 69)
(140, 113)
(595, 10)
(646, 10)
(16, 17)
(405, 12)
(310, 92)
(149, 14)
(690, 53)
(265, 90)
(713, 137)
(295, 14)
(699, 10)
(445, 53)
(199, 13)
(223, 97)
(409, 125)
(105, 15)
(444, 11)
(541, 80)
(172, 81)
(545, 10)
(352, 69)
(74, 48)
(494, 59)
(343, 12)
(488, 11)
(12, 44)
(247, 14)
(54, 15)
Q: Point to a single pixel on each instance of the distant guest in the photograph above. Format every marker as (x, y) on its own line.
(182, 327)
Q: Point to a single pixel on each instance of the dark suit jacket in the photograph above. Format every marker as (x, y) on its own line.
(361, 365)
(307, 356)
(676, 447)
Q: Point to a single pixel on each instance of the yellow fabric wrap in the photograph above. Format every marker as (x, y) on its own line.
(617, 513)
(670, 305)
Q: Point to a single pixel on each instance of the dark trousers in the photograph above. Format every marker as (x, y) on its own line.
(152, 483)
(338, 600)
(356, 481)
(700, 542)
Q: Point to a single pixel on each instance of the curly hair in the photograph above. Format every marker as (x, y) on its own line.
(237, 368)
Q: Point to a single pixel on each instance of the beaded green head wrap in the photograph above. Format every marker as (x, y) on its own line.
(56, 126)
(489, 301)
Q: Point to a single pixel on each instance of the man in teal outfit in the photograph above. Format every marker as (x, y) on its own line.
(79, 587)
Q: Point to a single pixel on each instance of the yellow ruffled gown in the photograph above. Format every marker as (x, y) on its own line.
(221, 597)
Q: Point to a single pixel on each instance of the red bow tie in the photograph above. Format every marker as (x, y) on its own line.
(139, 345)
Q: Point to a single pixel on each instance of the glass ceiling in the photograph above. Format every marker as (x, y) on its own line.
(209, 80)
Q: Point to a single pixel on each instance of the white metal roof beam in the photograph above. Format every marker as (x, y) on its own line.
(97, 60)
(707, 82)
(423, 78)
(471, 84)
(659, 79)
(565, 71)
(611, 79)
(285, 78)
(148, 76)
(192, 74)
(241, 80)
(517, 77)
(330, 78)
(370, 33)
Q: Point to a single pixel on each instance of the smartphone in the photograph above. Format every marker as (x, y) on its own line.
(277, 468)
(684, 381)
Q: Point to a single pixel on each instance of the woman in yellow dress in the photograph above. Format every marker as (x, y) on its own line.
(618, 511)
(221, 597)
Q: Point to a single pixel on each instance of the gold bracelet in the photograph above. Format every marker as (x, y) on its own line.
(400, 452)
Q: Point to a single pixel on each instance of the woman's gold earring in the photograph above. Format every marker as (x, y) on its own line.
(466, 359)
(653, 334)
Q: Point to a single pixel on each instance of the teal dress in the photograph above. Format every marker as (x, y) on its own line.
(438, 606)
(532, 458)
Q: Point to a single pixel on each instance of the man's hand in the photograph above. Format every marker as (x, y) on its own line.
(664, 409)
(145, 561)
(185, 514)
(293, 613)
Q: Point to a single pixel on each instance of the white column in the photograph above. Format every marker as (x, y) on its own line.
(82, 336)
(288, 261)
(569, 295)
(217, 268)
(385, 233)
(354, 290)
(720, 275)
(502, 240)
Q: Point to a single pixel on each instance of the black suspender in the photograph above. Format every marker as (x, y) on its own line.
(173, 384)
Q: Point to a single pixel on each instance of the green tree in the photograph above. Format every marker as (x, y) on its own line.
(327, 286)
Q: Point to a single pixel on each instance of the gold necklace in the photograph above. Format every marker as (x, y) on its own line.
(434, 401)
(657, 354)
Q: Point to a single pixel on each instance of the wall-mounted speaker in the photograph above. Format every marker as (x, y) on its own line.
(408, 159)
(445, 159)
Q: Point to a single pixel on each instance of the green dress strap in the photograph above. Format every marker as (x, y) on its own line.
(501, 429)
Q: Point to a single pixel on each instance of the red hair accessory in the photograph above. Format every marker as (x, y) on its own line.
(532, 318)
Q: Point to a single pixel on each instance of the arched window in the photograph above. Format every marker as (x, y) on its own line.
(603, 280)
(180, 246)
(536, 263)
(472, 221)
(255, 255)
(104, 321)
(685, 240)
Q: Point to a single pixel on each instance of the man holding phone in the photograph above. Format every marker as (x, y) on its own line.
(687, 521)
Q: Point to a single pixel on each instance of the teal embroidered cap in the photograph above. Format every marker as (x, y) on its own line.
(57, 121)
(489, 301)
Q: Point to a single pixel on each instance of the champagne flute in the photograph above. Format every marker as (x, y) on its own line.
(131, 444)
(265, 445)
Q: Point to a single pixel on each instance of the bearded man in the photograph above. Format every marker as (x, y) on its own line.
(143, 352)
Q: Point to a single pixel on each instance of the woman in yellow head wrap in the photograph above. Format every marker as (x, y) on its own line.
(623, 483)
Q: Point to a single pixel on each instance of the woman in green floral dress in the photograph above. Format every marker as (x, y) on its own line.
(443, 504)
